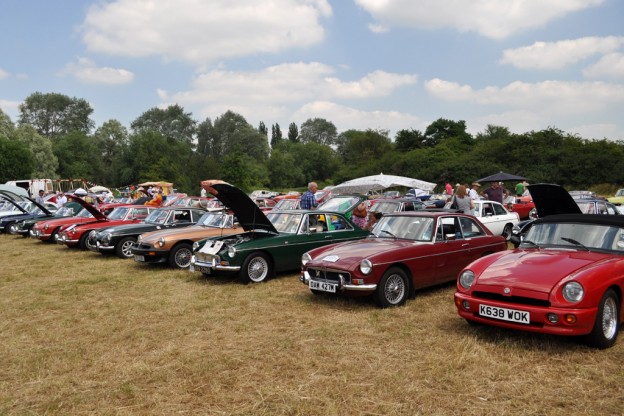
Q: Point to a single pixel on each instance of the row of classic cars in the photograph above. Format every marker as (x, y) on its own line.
(566, 277)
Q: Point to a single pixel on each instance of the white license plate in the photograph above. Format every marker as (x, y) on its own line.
(139, 258)
(323, 286)
(201, 269)
(504, 314)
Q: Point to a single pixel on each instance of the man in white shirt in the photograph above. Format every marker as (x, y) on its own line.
(474, 191)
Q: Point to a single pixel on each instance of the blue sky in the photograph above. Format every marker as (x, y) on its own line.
(378, 64)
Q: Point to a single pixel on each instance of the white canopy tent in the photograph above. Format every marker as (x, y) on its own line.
(378, 182)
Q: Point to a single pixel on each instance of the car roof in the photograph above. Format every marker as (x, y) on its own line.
(596, 219)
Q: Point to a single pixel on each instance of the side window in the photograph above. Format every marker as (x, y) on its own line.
(182, 216)
(470, 228)
(498, 209)
(487, 209)
(601, 208)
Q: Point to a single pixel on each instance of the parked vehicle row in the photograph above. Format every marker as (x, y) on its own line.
(566, 277)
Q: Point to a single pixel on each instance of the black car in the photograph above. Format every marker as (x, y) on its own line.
(23, 210)
(120, 239)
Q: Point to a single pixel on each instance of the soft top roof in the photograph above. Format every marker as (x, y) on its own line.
(596, 219)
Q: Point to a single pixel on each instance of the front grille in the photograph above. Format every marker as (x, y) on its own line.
(207, 258)
(143, 246)
(519, 300)
(329, 275)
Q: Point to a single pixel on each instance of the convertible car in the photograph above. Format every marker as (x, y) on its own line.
(24, 226)
(120, 238)
(565, 278)
(406, 251)
(27, 209)
(175, 246)
(271, 243)
(47, 231)
(77, 234)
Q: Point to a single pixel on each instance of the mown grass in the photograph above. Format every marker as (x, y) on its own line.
(85, 334)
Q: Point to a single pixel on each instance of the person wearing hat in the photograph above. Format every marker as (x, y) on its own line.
(61, 199)
(474, 191)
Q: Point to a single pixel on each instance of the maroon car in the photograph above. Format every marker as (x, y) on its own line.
(406, 251)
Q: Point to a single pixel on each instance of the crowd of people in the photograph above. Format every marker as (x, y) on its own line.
(463, 197)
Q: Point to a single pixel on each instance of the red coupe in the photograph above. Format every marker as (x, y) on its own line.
(406, 251)
(565, 278)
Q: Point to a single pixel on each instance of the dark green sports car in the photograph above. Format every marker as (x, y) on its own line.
(271, 243)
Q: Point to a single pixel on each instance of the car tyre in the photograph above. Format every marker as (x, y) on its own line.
(507, 231)
(607, 323)
(82, 242)
(52, 238)
(393, 289)
(124, 248)
(180, 256)
(256, 268)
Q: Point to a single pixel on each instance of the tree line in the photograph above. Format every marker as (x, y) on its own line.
(55, 137)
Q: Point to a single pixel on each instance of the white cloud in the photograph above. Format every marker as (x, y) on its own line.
(549, 97)
(3, 74)
(350, 118)
(598, 131)
(86, 71)
(609, 66)
(202, 32)
(491, 18)
(10, 108)
(555, 55)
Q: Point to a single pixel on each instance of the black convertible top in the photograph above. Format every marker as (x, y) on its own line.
(595, 219)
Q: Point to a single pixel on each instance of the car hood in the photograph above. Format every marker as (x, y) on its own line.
(97, 214)
(536, 270)
(550, 199)
(351, 253)
(249, 215)
(194, 232)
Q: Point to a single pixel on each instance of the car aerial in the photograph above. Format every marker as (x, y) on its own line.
(618, 198)
(119, 239)
(77, 234)
(271, 243)
(47, 231)
(565, 278)
(495, 217)
(175, 246)
(24, 226)
(406, 251)
(388, 205)
(28, 209)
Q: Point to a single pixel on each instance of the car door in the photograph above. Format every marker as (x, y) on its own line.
(452, 250)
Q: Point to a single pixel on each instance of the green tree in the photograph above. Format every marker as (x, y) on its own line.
(171, 122)
(406, 140)
(231, 131)
(6, 125)
(442, 129)
(56, 114)
(276, 135)
(293, 133)
(16, 161)
(284, 171)
(46, 163)
(317, 162)
(262, 128)
(112, 140)
(78, 156)
(318, 130)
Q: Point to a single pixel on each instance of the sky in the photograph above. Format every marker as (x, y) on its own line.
(527, 65)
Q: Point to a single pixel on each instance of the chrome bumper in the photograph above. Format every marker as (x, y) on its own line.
(213, 265)
(342, 285)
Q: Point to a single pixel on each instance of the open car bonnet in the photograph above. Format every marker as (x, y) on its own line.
(249, 215)
(550, 199)
(92, 210)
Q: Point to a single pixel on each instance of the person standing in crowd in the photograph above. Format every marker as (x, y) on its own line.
(474, 191)
(359, 215)
(495, 192)
(464, 203)
(39, 198)
(448, 188)
(157, 199)
(373, 218)
(61, 199)
(519, 189)
(308, 200)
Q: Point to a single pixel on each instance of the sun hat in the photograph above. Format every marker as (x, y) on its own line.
(476, 184)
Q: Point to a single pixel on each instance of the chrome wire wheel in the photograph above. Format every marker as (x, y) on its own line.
(258, 269)
(609, 318)
(394, 289)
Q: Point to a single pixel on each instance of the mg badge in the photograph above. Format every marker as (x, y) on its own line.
(507, 291)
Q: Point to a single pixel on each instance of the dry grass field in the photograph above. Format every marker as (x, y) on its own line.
(81, 333)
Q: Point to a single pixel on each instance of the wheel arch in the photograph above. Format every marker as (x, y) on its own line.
(411, 294)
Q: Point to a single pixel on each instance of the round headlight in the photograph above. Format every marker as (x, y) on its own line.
(140, 238)
(573, 292)
(466, 279)
(45, 227)
(107, 238)
(161, 241)
(305, 258)
(366, 266)
(195, 246)
(231, 251)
